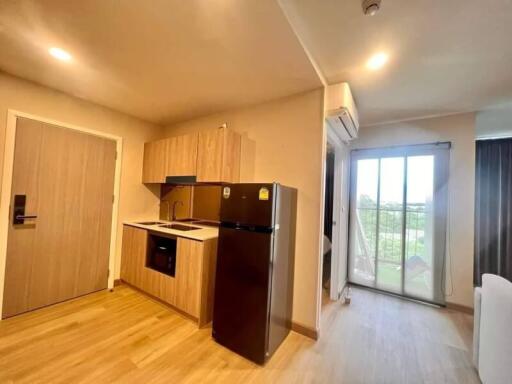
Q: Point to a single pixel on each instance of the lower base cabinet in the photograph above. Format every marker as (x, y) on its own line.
(190, 290)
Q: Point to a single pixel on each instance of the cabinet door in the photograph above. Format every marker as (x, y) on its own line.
(155, 161)
(218, 156)
(134, 270)
(209, 155)
(182, 155)
(189, 266)
(133, 255)
(230, 172)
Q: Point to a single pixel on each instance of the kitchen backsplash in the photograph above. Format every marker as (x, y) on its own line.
(206, 202)
(169, 195)
(199, 202)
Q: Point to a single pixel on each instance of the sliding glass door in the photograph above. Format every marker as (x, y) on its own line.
(398, 215)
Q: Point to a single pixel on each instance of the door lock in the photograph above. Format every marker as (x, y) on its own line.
(18, 215)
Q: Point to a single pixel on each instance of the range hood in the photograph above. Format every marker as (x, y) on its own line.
(188, 180)
(181, 180)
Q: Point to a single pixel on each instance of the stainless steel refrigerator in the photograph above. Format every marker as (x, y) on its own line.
(255, 264)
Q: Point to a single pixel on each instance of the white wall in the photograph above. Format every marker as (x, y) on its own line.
(460, 130)
(494, 122)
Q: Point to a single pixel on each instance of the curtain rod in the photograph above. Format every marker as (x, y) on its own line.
(447, 143)
(504, 137)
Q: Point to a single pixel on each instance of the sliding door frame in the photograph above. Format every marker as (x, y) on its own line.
(339, 246)
(5, 195)
(441, 153)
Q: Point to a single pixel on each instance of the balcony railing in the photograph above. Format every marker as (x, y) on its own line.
(390, 232)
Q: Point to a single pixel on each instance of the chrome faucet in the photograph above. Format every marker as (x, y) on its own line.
(174, 208)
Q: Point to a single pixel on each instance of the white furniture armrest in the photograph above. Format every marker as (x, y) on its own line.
(476, 324)
(495, 350)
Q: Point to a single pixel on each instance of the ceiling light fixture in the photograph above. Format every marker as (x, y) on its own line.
(371, 7)
(377, 61)
(60, 54)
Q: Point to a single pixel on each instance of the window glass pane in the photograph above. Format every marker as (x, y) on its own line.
(419, 234)
(363, 230)
(383, 254)
(389, 253)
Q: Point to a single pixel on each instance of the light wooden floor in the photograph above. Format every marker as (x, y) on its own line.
(126, 338)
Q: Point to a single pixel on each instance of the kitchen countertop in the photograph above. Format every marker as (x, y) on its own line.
(205, 233)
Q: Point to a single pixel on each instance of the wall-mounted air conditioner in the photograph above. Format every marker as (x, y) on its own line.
(341, 112)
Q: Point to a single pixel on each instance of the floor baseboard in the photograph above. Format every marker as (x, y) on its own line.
(306, 331)
(460, 308)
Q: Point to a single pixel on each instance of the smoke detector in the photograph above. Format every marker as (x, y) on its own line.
(371, 7)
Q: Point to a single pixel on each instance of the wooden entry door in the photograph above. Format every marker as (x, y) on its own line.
(67, 177)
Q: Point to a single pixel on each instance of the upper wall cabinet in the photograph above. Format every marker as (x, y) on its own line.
(155, 161)
(218, 156)
(182, 155)
(175, 156)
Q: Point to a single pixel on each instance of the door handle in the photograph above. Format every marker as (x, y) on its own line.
(19, 217)
(26, 217)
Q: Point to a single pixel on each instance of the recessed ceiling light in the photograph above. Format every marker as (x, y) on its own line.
(377, 61)
(60, 54)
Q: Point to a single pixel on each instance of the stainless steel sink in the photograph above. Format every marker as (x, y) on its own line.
(179, 227)
(207, 223)
(150, 223)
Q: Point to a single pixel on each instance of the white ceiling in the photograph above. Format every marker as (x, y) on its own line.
(160, 60)
(446, 56)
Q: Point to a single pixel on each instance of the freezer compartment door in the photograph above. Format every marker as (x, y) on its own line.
(248, 204)
(241, 307)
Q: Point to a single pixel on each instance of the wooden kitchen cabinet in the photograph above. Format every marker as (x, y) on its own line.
(154, 167)
(190, 290)
(212, 156)
(133, 253)
(218, 156)
(195, 278)
(174, 156)
(182, 155)
(135, 272)
(189, 267)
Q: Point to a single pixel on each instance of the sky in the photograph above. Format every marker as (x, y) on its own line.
(420, 179)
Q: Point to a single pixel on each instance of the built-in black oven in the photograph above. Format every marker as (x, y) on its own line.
(161, 253)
